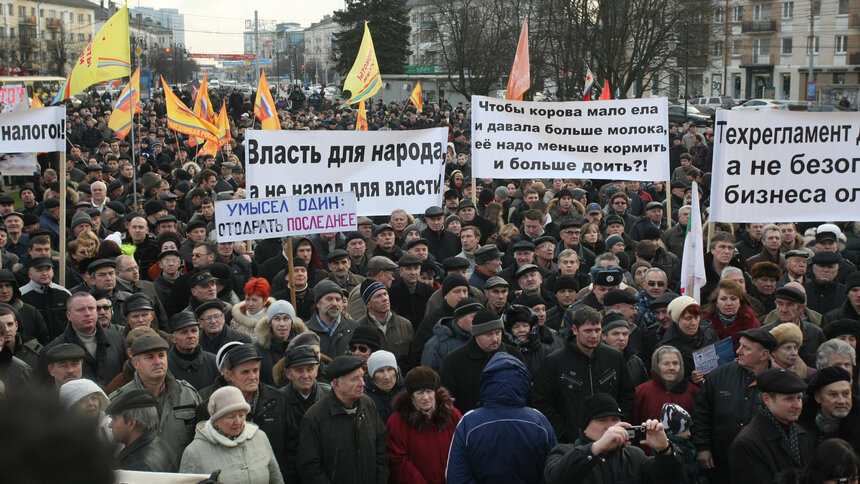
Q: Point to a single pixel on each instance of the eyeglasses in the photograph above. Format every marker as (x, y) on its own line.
(359, 348)
(656, 283)
(212, 317)
(571, 232)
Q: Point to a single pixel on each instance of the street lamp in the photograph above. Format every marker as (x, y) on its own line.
(673, 44)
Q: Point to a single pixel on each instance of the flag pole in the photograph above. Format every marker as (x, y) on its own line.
(133, 159)
(668, 191)
(291, 278)
(62, 192)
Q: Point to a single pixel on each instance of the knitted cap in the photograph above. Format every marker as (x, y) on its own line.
(281, 307)
(379, 360)
(226, 400)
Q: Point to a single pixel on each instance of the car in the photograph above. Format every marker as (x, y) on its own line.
(761, 105)
(826, 108)
(676, 115)
(709, 105)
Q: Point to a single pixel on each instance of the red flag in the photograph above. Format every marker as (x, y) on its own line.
(605, 95)
(520, 79)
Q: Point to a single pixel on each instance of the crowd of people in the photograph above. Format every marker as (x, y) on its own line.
(530, 331)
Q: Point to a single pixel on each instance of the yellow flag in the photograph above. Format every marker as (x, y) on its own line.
(361, 122)
(128, 103)
(363, 80)
(223, 125)
(202, 105)
(264, 105)
(415, 97)
(36, 102)
(183, 120)
(106, 57)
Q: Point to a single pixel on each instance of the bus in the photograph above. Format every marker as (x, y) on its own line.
(46, 87)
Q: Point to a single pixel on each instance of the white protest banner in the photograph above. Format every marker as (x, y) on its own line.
(13, 98)
(33, 130)
(386, 170)
(18, 164)
(624, 139)
(266, 218)
(783, 166)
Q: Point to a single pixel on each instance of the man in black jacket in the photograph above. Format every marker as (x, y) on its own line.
(829, 410)
(583, 367)
(134, 421)
(441, 242)
(186, 360)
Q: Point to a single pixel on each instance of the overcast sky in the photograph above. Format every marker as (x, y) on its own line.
(216, 26)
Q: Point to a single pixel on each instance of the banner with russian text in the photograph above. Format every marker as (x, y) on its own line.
(33, 130)
(782, 166)
(624, 139)
(386, 169)
(266, 218)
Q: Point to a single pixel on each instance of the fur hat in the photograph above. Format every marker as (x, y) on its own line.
(765, 269)
(787, 333)
(419, 378)
(226, 400)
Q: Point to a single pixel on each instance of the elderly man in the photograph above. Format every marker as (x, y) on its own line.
(128, 279)
(824, 292)
(216, 333)
(186, 360)
(728, 402)
(134, 421)
(356, 246)
(772, 241)
(409, 295)
(791, 308)
(301, 368)
(338, 265)
(65, 363)
(606, 279)
(380, 269)
(47, 297)
(487, 264)
(829, 410)
(329, 321)
(530, 281)
(827, 240)
(178, 399)
(773, 441)
(850, 309)
(324, 454)
(441, 242)
(496, 294)
(395, 332)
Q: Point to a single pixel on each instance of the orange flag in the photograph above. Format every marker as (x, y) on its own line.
(520, 79)
(415, 97)
(361, 123)
(183, 120)
(605, 94)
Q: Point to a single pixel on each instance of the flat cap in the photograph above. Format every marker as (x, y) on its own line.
(167, 196)
(466, 203)
(41, 262)
(571, 222)
(434, 211)
(364, 221)
(99, 264)
(301, 355)
(64, 352)
(486, 253)
(825, 258)
(168, 252)
(525, 269)
(778, 380)
(147, 343)
(790, 294)
(137, 398)
(116, 206)
(653, 205)
(495, 281)
(343, 365)
(613, 219)
(826, 376)
(240, 354)
(523, 245)
(182, 319)
(453, 263)
(381, 228)
(381, 263)
(336, 255)
(201, 278)
(136, 302)
(619, 296)
(216, 304)
(420, 240)
(760, 336)
(408, 260)
(466, 306)
(544, 239)
(798, 253)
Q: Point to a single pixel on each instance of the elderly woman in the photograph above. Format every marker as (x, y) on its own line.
(382, 381)
(730, 312)
(227, 442)
(686, 334)
(667, 385)
(420, 430)
(522, 332)
(274, 333)
(789, 339)
(250, 312)
(86, 401)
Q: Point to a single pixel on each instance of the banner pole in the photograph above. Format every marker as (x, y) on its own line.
(668, 190)
(290, 271)
(62, 218)
(475, 194)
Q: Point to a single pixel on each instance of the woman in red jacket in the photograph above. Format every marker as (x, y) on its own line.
(420, 429)
(730, 312)
(667, 385)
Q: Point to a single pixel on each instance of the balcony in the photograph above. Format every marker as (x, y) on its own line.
(27, 21)
(754, 59)
(54, 23)
(758, 26)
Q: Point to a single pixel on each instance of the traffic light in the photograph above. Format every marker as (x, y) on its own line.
(167, 49)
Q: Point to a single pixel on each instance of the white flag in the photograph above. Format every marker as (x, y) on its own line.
(693, 276)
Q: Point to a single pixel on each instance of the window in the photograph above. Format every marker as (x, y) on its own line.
(815, 45)
(788, 10)
(737, 13)
(11, 10)
(737, 46)
(761, 47)
(842, 7)
(22, 11)
(761, 12)
(841, 44)
(52, 13)
(786, 85)
(53, 35)
(11, 31)
(80, 18)
(80, 37)
(42, 13)
(718, 15)
(718, 49)
(839, 78)
(2, 32)
(786, 46)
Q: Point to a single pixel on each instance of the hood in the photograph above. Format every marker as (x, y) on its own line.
(315, 258)
(505, 382)
(207, 432)
(263, 330)
(241, 316)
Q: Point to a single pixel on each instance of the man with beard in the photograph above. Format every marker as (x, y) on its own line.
(328, 321)
(828, 411)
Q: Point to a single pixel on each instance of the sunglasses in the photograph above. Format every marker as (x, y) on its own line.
(656, 283)
(360, 348)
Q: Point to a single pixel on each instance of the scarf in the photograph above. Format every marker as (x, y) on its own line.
(790, 438)
(828, 428)
(727, 321)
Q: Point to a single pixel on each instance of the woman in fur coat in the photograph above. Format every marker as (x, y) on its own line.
(248, 313)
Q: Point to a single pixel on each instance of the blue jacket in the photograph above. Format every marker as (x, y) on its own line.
(503, 441)
(447, 337)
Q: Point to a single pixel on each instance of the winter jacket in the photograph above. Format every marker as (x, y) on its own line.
(651, 395)
(14, 372)
(397, 338)
(442, 244)
(848, 429)
(824, 297)
(246, 459)
(197, 369)
(410, 303)
(813, 336)
(727, 402)
(418, 444)
(747, 247)
(381, 399)
(148, 454)
(462, 369)
(337, 447)
(297, 406)
(504, 440)
(227, 334)
(271, 348)
(32, 323)
(687, 344)
(50, 301)
(569, 375)
(101, 368)
(532, 350)
(447, 337)
(334, 344)
(759, 452)
(845, 311)
(244, 322)
(745, 319)
(178, 406)
(574, 463)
